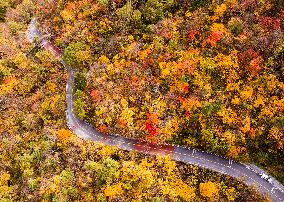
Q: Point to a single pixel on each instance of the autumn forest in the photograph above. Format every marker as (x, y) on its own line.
(196, 73)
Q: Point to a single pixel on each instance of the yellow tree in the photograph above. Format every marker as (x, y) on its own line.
(209, 189)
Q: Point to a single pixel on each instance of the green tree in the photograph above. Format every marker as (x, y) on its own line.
(79, 104)
(153, 11)
(80, 81)
(77, 54)
(105, 172)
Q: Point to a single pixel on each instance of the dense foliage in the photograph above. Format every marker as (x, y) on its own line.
(41, 160)
(206, 74)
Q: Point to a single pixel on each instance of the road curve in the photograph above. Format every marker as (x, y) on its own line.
(250, 174)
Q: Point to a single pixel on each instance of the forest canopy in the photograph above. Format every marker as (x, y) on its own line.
(205, 74)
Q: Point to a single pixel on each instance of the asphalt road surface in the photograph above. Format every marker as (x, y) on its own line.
(250, 174)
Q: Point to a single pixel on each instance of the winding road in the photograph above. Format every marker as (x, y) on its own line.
(250, 174)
